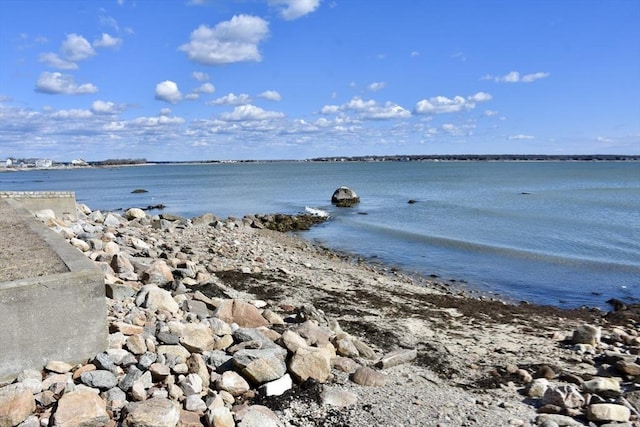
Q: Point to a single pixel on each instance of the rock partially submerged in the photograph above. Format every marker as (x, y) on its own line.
(345, 197)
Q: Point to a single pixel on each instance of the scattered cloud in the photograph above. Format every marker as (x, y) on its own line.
(232, 99)
(460, 56)
(250, 113)
(107, 41)
(54, 61)
(414, 54)
(71, 114)
(515, 77)
(168, 91)
(76, 48)
(368, 110)
(270, 95)
(58, 83)
(206, 88)
(104, 107)
(376, 86)
(294, 9)
(521, 137)
(490, 113)
(231, 41)
(200, 76)
(442, 104)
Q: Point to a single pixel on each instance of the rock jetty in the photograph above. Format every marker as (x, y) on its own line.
(228, 323)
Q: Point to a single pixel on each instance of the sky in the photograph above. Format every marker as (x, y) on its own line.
(296, 79)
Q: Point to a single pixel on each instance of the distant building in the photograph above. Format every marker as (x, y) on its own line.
(79, 162)
(44, 163)
(9, 163)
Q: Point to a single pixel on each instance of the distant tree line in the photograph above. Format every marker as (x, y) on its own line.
(119, 162)
(482, 157)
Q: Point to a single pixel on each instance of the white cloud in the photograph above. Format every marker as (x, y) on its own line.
(330, 109)
(442, 104)
(206, 88)
(107, 41)
(480, 97)
(228, 42)
(165, 111)
(54, 61)
(250, 113)
(168, 91)
(71, 114)
(528, 78)
(520, 137)
(58, 83)
(369, 110)
(270, 95)
(200, 76)
(294, 9)
(156, 121)
(76, 48)
(104, 107)
(414, 54)
(376, 86)
(515, 77)
(490, 113)
(232, 99)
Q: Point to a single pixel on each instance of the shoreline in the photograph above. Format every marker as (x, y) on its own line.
(466, 361)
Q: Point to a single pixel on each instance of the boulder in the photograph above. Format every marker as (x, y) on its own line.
(197, 337)
(258, 416)
(16, 404)
(333, 396)
(586, 334)
(344, 197)
(156, 412)
(608, 412)
(134, 213)
(368, 377)
(261, 366)
(311, 363)
(81, 407)
(240, 312)
(154, 298)
(232, 383)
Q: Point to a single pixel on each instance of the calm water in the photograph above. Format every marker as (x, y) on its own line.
(561, 233)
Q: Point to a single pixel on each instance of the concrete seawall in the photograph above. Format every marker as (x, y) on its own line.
(47, 316)
(60, 202)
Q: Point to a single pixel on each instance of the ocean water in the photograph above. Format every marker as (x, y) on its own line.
(560, 233)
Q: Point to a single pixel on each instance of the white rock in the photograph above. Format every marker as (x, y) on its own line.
(276, 387)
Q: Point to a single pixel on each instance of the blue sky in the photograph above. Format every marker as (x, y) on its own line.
(296, 79)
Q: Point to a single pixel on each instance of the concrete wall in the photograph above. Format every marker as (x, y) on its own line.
(61, 202)
(55, 317)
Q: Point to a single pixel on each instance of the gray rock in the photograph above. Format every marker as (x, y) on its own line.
(99, 379)
(261, 366)
(337, 397)
(127, 381)
(344, 197)
(368, 377)
(258, 416)
(587, 334)
(397, 357)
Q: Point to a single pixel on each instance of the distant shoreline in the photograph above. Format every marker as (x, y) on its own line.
(361, 159)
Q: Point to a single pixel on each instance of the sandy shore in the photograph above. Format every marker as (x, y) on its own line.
(476, 358)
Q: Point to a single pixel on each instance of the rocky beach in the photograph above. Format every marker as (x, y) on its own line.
(234, 322)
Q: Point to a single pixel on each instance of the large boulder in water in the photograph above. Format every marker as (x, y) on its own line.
(345, 197)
